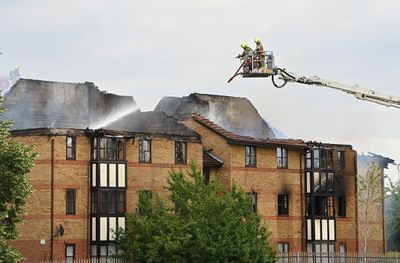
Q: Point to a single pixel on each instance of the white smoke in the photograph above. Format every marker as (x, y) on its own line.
(115, 115)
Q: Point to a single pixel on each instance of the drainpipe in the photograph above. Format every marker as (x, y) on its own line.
(88, 206)
(52, 202)
(301, 203)
(356, 197)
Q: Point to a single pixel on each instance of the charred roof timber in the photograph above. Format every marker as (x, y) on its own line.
(39, 104)
(235, 114)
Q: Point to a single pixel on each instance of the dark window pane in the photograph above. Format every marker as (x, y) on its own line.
(121, 202)
(103, 202)
(283, 204)
(70, 204)
(330, 182)
(94, 201)
(250, 156)
(253, 197)
(180, 152)
(111, 202)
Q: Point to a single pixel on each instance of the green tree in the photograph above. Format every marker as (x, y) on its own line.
(370, 198)
(16, 160)
(202, 223)
(392, 210)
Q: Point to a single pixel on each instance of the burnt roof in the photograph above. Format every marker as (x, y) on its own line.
(235, 114)
(233, 138)
(39, 103)
(151, 122)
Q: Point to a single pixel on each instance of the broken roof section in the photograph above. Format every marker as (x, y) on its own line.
(235, 114)
(151, 122)
(38, 104)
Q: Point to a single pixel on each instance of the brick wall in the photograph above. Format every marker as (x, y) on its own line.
(268, 181)
(73, 174)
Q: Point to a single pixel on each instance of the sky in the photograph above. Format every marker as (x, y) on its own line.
(151, 49)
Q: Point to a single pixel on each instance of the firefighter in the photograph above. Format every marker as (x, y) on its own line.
(246, 55)
(259, 54)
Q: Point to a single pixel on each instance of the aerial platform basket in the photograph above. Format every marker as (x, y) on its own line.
(256, 65)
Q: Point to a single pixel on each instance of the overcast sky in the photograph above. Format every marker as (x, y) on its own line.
(151, 49)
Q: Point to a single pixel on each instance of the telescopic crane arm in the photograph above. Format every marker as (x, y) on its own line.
(254, 65)
(359, 93)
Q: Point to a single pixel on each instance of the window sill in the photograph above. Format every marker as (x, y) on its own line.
(286, 215)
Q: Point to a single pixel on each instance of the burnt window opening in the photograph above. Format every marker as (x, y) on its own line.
(323, 182)
(108, 148)
(283, 204)
(253, 199)
(342, 206)
(341, 160)
(112, 201)
(93, 201)
(180, 152)
(71, 147)
(282, 158)
(145, 151)
(69, 252)
(326, 159)
(319, 158)
(70, 202)
(250, 156)
(324, 206)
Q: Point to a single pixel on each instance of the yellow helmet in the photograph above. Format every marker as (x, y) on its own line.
(257, 41)
(244, 45)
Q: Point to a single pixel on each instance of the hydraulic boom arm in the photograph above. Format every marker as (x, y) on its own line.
(359, 93)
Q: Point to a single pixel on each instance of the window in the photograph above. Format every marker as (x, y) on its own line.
(180, 152)
(324, 205)
(112, 201)
(323, 182)
(283, 204)
(253, 197)
(342, 252)
(70, 198)
(93, 201)
(341, 160)
(342, 206)
(71, 148)
(70, 253)
(326, 159)
(145, 151)
(308, 159)
(308, 205)
(283, 248)
(108, 148)
(281, 155)
(250, 156)
(144, 197)
(316, 158)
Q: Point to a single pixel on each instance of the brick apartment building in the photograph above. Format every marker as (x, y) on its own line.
(87, 177)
